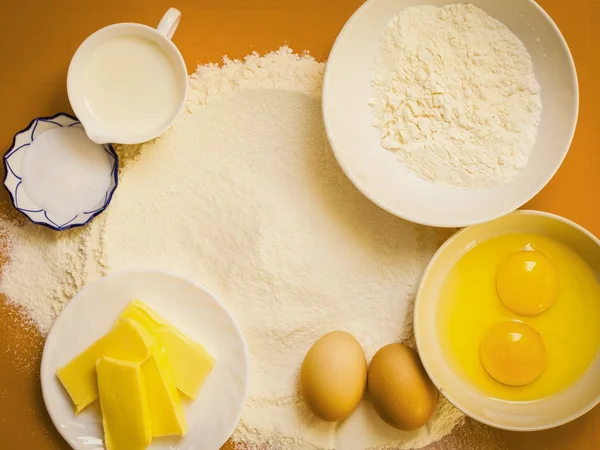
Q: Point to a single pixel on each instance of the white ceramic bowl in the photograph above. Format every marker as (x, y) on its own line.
(13, 178)
(377, 172)
(550, 412)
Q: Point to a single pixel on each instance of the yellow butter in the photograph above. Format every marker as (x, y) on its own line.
(128, 341)
(190, 364)
(125, 414)
(188, 360)
(164, 404)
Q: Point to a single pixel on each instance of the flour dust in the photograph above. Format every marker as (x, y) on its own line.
(244, 196)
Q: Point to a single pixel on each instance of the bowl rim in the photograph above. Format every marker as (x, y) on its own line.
(448, 222)
(49, 224)
(417, 326)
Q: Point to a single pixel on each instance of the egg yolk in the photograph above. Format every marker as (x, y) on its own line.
(527, 283)
(513, 353)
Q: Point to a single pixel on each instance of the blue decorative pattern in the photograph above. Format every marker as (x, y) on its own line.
(12, 178)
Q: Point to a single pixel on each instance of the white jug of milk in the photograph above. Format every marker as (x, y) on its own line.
(127, 82)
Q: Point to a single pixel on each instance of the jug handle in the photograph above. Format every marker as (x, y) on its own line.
(169, 22)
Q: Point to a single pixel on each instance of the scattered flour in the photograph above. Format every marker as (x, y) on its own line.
(454, 94)
(244, 195)
(46, 269)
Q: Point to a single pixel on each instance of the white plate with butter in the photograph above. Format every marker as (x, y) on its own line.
(211, 417)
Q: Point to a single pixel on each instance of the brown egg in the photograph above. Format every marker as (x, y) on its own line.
(334, 376)
(402, 393)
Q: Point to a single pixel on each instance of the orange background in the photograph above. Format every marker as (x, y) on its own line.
(38, 38)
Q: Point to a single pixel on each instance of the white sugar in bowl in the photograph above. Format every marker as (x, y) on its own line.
(56, 176)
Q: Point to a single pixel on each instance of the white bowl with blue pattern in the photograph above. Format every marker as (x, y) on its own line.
(13, 179)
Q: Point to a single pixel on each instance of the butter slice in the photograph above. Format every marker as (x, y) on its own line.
(128, 341)
(190, 364)
(164, 404)
(125, 414)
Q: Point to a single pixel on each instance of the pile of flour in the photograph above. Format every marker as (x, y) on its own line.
(244, 196)
(455, 96)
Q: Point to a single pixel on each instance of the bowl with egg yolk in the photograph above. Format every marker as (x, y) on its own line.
(506, 321)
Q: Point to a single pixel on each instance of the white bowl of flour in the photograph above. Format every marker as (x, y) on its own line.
(450, 114)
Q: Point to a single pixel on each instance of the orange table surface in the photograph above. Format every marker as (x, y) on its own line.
(38, 40)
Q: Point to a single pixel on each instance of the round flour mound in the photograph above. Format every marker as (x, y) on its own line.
(244, 196)
(455, 96)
